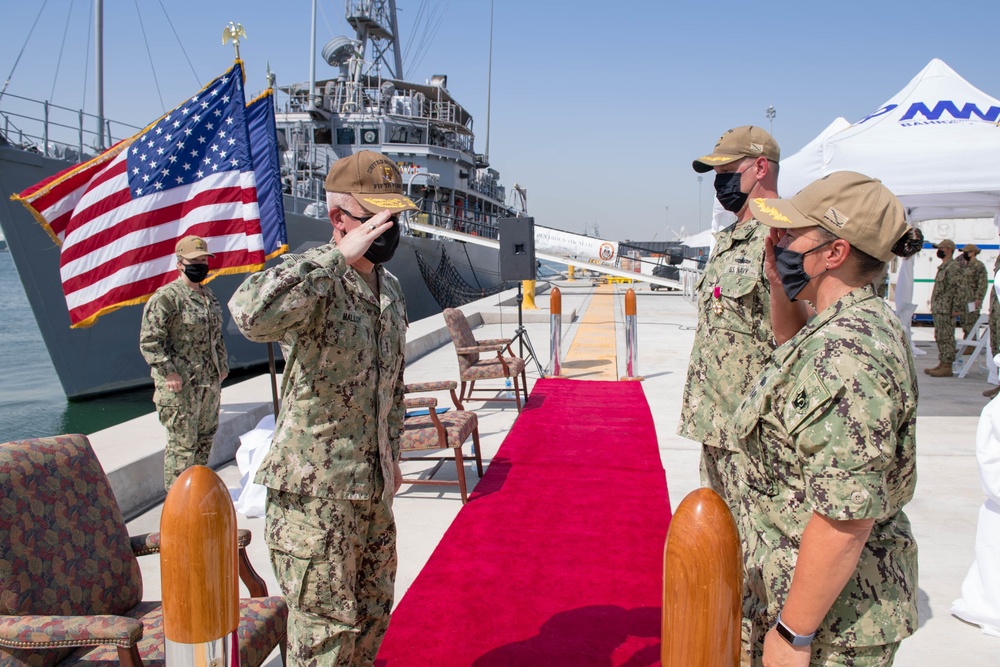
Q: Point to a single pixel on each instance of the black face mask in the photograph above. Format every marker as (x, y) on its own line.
(384, 247)
(941, 254)
(727, 191)
(196, 272)
(793, 275)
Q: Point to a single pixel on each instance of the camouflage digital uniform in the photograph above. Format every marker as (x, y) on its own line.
(330, 469)
(976, 282)
(182, 333)
(947, 298)
(732, 344)
(830, 428)
(994, 312)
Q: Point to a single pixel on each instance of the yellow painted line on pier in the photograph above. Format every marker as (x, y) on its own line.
(593, 354)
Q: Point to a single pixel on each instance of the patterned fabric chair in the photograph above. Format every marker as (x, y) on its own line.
(70, 584)
(472, 367)
(439, 431)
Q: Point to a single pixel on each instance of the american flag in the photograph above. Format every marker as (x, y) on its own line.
(119, 215)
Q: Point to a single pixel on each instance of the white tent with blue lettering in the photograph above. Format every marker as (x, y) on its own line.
(935, 144)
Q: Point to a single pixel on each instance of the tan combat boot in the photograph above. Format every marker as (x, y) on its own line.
(942, 370)
(932, 368)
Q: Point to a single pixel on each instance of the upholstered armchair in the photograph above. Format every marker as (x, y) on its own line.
(475, 362)
(70, 584)
(430, 431)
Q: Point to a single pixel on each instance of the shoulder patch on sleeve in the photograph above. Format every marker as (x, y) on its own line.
(807, 399)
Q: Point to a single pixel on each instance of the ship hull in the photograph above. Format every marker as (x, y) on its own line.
(105, 357)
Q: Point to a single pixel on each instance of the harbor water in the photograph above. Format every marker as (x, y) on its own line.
(32, 402)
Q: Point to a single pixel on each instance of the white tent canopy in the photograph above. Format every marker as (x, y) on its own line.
(935, 144)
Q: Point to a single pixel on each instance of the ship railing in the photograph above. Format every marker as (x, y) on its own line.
(57, 131)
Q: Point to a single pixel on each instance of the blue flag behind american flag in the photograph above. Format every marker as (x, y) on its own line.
(119, 215)
(267, 170)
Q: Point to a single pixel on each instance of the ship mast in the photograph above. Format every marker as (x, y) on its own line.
(375, 20)
(99, 68)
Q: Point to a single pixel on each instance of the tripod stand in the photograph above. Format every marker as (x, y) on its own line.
(521, 334)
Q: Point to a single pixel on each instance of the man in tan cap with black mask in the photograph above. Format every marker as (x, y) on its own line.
(734, 339)
(333, 466)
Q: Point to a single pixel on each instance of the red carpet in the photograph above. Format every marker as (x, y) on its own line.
(557, 557)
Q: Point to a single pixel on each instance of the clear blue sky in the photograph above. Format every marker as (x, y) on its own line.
(597, 108)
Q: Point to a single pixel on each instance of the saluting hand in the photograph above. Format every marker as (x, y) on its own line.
(355, 243)
(770, 265)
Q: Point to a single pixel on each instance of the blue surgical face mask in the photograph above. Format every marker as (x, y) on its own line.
(790, 268)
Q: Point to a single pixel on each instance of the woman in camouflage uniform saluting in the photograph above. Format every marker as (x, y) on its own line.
(827, 436)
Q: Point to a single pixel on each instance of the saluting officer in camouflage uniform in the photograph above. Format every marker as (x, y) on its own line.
(994, 325)
(947, 301)
(733, 340)
(976, 281)
(828, 439)
(181, 340)
(333, 466)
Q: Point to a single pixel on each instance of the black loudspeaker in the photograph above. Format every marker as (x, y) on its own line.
(517, 248)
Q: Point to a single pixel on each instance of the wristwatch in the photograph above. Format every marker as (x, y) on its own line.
(791, 637)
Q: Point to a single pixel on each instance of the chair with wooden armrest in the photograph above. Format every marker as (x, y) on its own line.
(447, 430)
(70, 583)
(475, 363)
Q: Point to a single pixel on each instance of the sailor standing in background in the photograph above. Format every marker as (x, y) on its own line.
(181, 340)
(946, 302)
(976, 281)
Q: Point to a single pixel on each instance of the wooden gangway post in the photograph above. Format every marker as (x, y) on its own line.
(702, 585)
(199, 571)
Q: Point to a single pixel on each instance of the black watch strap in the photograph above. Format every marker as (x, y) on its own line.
(791, 637)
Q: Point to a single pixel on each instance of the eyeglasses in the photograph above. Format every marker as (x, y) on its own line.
(367, 218)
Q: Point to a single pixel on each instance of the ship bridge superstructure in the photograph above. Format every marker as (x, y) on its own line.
(369, 105)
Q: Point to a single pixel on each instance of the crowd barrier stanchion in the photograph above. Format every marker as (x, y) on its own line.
(199, 570)
(702, 585)
(631, 338)
(555, 331)
(570, 272)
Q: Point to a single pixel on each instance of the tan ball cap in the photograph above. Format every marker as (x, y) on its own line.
(851, 206)
(372, 179)
(192, 247)
(736, 144)
(970, 247)
(946, 244)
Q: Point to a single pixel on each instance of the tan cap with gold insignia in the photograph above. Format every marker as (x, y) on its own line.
(372, 179)
(736, 144)
(851, 206)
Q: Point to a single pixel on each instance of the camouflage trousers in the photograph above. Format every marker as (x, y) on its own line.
(336, 563)
(944, 336)
(720, 472)
(828, 655)
(968, 322)
(994, 322)
(191, 420)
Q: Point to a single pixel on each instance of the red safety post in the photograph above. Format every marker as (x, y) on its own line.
(555, 331)
(199, 571)
(631, 338)
(702, 585)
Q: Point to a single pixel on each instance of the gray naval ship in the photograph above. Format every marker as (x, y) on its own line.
(367, 105)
